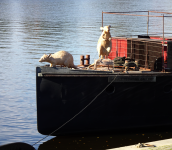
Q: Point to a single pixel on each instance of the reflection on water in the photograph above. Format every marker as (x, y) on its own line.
(30, 28)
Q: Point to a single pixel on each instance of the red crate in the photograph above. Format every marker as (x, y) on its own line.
(119, 48)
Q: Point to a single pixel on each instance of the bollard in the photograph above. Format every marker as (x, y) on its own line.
(87, 58)
(87, 62)
(82, 60)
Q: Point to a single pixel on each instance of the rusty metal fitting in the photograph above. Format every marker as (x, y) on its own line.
(87, 62)
(82, 60)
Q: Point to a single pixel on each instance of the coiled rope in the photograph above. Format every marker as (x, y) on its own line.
(79, 111)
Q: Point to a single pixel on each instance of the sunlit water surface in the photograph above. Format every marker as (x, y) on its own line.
(30, 28)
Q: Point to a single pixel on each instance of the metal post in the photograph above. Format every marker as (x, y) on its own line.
(146, 62)
(163, 47)
(131, 56)
(116, 48)
(102, 18)
(148, 23)
(82, 60)
(87, 58)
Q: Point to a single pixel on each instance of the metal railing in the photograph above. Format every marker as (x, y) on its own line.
(130, 13)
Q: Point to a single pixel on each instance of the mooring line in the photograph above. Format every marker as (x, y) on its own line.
(79, 111)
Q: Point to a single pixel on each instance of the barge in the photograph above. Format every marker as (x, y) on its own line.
(135, 93)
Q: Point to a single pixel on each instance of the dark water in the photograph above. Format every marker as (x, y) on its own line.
(30, 28)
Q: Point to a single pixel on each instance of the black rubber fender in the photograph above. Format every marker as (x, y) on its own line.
(17, 146)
